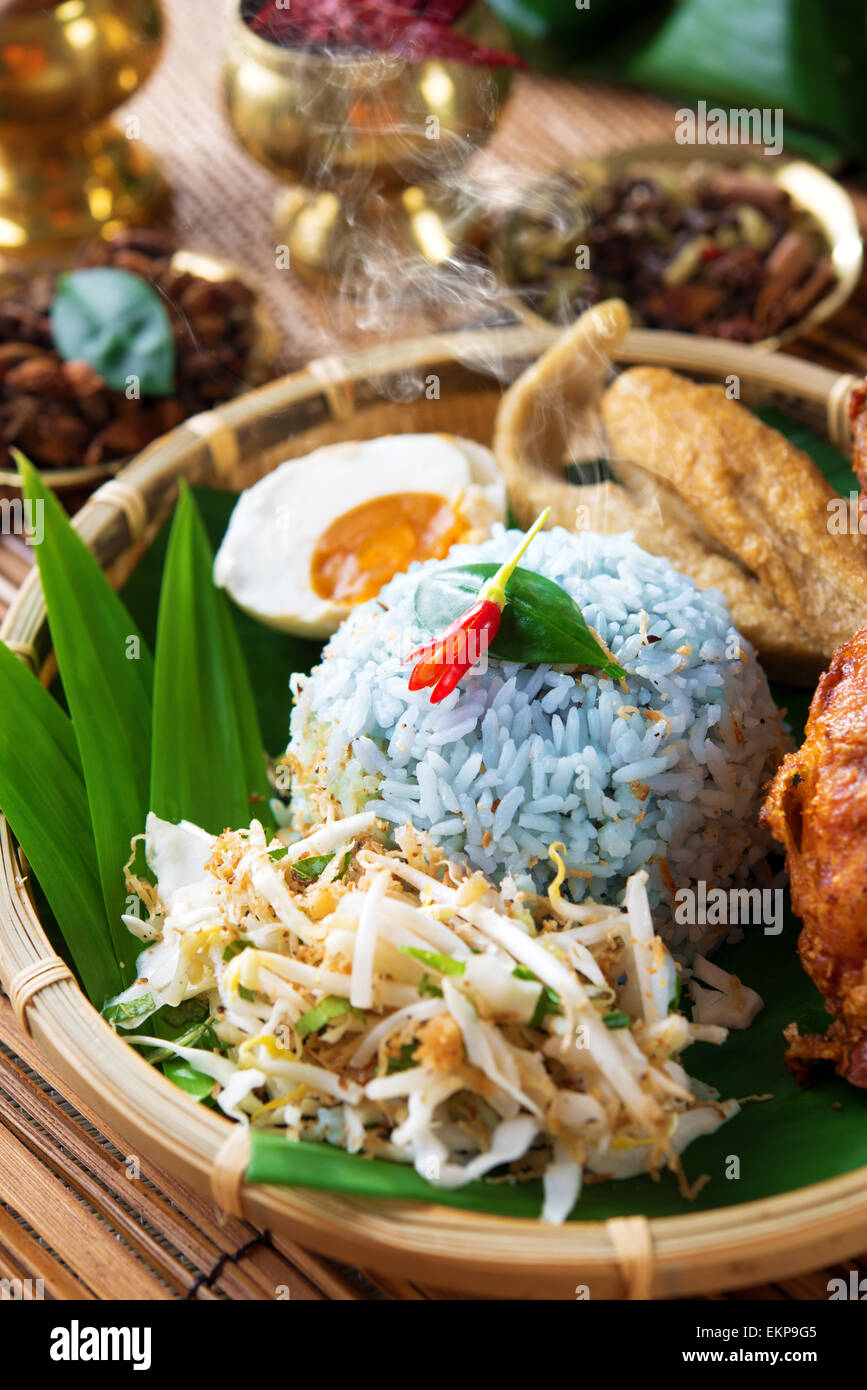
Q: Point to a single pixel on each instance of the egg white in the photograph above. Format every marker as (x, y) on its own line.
(265, 559)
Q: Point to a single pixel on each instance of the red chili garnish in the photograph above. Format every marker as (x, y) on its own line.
(710, 253)
(442, 662)
(446, 658)
(378, 26)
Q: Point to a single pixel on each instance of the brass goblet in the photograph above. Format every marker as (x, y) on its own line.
(66, 174)
(371, 147)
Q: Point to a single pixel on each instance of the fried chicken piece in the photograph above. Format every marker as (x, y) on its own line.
(817, 807)
(757, 495)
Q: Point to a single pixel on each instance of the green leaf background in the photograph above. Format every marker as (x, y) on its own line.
(806, 56)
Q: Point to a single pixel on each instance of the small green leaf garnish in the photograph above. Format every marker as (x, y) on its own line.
(233, 949)
(331, 1007)
(117, 323)
(444, 964)
(184, 1026)
(130, 1008)
(311, 868)
(247, 994)
(616, 1019)
(540, 622)
(426, 987)
(277, 854)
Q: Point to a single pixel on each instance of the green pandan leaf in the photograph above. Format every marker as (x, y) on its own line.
(118, 323)
(43, 797)
(107, 676)
(208, 759)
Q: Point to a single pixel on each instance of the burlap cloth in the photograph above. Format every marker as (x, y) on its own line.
(223, 198)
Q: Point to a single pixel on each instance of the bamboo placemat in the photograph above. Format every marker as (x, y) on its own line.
(76, 1209)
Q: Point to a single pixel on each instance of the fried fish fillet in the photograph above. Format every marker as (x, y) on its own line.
(551, 413)
(756, 494)
(817, 807)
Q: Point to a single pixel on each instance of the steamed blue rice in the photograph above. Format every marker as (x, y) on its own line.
(666, 774)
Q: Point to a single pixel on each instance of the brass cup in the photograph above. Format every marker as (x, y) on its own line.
(66, 174)
(371, 148)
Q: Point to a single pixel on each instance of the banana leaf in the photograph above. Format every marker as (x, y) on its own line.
(567, 21)
(804, 56)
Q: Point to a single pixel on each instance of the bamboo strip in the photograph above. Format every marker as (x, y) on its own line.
(71, 1230)
(7, 590)
(33, 1261)
(13, 566)
(331, 1281)
(183, 1218)
(98, 1183)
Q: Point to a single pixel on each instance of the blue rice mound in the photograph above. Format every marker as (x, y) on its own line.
(666, 774)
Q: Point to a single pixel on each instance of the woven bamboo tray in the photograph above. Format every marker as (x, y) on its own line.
(333, 399)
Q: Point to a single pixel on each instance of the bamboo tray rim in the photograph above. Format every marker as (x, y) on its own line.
(691, 1252)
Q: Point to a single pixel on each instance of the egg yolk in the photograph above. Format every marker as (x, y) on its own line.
(365, 547)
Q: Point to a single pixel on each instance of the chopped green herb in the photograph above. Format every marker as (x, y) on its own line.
(444, 964)
(616, 1019)
(549, 999)
(201, 1035)
(248, 994)
(549, 1003)
(131, 1008)
(278, 853)
(331, 1007)
(674, 1003)
(403, 1061)
(234, 949)
(425, 987)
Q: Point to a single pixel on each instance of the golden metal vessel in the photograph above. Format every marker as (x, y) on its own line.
(66, 173)
(371, 147)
